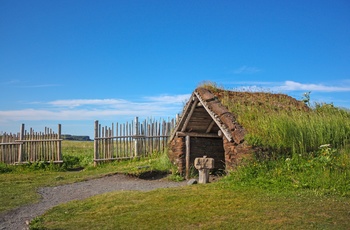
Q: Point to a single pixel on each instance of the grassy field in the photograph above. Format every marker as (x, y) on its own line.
(212, 206)
(292, 194)
(258, 195)
(18, 184)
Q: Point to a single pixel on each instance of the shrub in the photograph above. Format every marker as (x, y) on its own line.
(4, 168)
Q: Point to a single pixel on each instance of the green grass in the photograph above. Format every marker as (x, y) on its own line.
(325, 173)
(212, 206)
(18, 184)
(296, 132)
(296, 193)
(307, 191)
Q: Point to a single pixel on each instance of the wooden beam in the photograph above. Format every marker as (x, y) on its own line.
(193, 134)
(189, 115)
(188, 149)
(215, 118)
(210, 126)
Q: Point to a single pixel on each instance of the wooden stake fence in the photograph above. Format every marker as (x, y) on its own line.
(129, 140)
(25, 147)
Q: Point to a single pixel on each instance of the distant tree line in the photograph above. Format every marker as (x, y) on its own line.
(75, 138)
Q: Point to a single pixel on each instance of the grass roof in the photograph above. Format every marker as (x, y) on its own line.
(278, 124)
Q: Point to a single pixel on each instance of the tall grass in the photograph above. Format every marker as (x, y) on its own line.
(326, 172)
(286, 136)
(292, 130)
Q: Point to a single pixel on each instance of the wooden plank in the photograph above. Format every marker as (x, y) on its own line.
(112, 159)
(26, 162)
(38, 136)
(12, 143)
(193, 134)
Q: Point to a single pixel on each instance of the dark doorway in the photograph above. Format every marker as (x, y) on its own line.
(210, 147)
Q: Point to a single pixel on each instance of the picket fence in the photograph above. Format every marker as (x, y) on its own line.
(30, 146)
(130, 140)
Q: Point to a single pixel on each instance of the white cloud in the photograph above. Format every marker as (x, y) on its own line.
(296, 86)
(164, 99)
(289, 86)
(170, 99)
(81, 102)
(81, 114)
(92, 109)
(246, 70)
(27, 84)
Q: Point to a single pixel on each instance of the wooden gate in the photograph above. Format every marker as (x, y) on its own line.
(129, 140)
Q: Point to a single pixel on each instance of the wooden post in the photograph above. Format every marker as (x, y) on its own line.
(96, 143)
(136, 133)
(188, 149)
(20, 148)
(59, 144)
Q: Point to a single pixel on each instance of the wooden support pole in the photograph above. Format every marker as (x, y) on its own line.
(20, 147)
(96, 156)
(136, 133)
(188, 149)
(59, 143)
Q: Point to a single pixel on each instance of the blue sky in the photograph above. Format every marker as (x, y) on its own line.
(76, 61)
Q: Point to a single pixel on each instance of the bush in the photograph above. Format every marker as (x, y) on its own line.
(70, 162)
(4, 168)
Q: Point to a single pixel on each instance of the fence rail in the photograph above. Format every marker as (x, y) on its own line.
(129, 140)
(30, 146)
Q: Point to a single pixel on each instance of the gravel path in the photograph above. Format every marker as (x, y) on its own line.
(53, 196)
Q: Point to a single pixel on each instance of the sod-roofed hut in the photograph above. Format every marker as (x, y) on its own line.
(207, 127)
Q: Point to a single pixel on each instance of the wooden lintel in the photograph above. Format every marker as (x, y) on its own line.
(193, 134)
(210, 126)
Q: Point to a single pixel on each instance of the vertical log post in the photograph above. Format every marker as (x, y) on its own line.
(136, 139)
(188, 149)
(59, 144)
(20, 148)
(96, 156)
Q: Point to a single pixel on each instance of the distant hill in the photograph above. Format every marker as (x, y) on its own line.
(75, 138)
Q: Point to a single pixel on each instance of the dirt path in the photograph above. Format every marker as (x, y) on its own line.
(53, 196)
